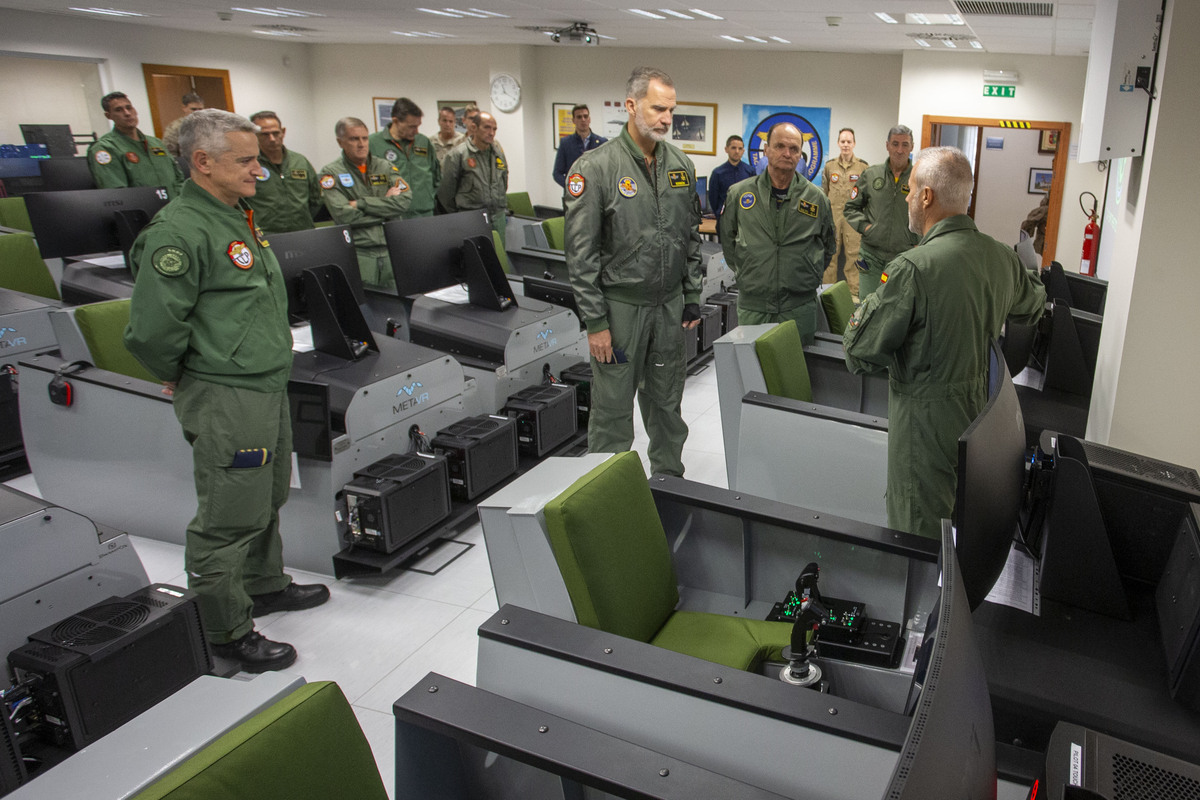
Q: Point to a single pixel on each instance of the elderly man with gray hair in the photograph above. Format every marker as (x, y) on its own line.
(929, 326)
(209, 319)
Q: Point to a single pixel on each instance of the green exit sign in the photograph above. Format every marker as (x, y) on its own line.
(990, 90)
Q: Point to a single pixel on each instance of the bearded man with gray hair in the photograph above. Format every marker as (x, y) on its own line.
(209, 319)
(929, 325)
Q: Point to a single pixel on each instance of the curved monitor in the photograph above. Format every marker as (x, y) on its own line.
(91, 221)
(426, 252)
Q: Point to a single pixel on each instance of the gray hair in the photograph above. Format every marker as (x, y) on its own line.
(948, 173)
(346, 123)
(205, 130)
(639, 81)
(898, 130)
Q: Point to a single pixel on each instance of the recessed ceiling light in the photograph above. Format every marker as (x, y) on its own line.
(731, 38)
(678, 14)
(976, 44)
(756, 39)
(491, 13)
(886, 18)
(108, 12)
(277, 33)
(781, 41)
(440, 13)
(296, 13)
(704, 13)
(949, 43)
(649, 14)
(265, 12)
(933, 19)
(602, 36)
(462, 13)
(922, 42)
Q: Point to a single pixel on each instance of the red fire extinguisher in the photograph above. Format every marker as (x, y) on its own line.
(1091, 238)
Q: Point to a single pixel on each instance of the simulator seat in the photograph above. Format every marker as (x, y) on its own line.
(13, 214)
(781, 357)
(102, 326)
(838, 304)
(22, 268)
(520, 204)
(612, 551)
(555, 229)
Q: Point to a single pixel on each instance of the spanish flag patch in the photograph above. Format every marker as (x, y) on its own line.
(883, 279)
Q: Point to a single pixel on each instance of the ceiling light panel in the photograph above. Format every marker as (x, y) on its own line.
(756, 39)
(730, 38)
(888, 18)
(108, 12)
(677, 14)
(440, 13)
(643, 13)
(706, 14)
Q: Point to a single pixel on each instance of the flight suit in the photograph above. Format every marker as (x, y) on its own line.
(837, 181)
(341, 182)
(288, 195)
(880, 201)
(633, 257)
(117, 161)
(929, 325)
(474, 178)
(418, 165)
(209, 312)
(777, 252)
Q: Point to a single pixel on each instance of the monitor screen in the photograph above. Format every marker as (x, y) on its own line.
(557, 293)
(86, 222)
(66, 175)
(57, 138)
(702, 190)
(426, 252)
(301, 250)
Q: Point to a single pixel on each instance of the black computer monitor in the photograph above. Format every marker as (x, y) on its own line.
(426, 252)
(991, 478)
(557, 293)
(300, 250)
(950, 749)
(92, 221)
(66, 175)
(57, 138)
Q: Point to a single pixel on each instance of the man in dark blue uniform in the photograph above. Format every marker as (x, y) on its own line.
(732, 171)
(572, 147)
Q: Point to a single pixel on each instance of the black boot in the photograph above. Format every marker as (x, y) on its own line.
(255, 653)
(294, 598)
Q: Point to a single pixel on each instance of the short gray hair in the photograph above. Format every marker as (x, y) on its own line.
(948, 173)
(899, 130)
(205, 130)
(639, 81)
(346, 123)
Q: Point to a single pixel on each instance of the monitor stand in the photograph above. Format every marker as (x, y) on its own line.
(487, 286)
(339, 328)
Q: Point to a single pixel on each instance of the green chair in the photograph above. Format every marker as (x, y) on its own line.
(500, 254)
(781, 357)
(519, 203)
(103, 328)
(555, 233)
(839, 306)
(307, 746)
(22, 268)
(13, 214)
(612, 551)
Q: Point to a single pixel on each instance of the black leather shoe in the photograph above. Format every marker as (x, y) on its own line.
(255, 653)
(294, 598)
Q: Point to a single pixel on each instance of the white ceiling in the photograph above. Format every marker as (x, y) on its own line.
(803, 23)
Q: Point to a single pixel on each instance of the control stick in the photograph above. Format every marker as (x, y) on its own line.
(800, 669)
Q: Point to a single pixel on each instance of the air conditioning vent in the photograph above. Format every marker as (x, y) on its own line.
(1004, 9)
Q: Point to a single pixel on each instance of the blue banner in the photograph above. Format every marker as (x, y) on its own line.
(813, 124)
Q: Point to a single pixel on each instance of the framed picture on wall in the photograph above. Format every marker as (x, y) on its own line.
(694, 128)
(1048, 143)
(1039, 180)
(383, 111)
(561, 121)
(460, 109)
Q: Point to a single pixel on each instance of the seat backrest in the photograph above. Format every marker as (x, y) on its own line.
(555, 232)
(22, 268)
(306, 746)
(839, 306)
(781, 357)
(611, 548)
(13, 214)
(519, 203)
(500, 254)
(102, 326)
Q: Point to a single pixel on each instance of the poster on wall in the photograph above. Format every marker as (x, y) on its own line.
(813, 124)
(615, 117)
(383, 111)
(563, 122)
(460, 109)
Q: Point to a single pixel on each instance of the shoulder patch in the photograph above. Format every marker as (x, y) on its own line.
(327, 182)
(500, 163)
(677, 178)
(401, 185)
(883, 279)
(747, 200)
(854, 193)
(807, 208)
(103, 157)
(266, 173)
(170, 261)
(575, 184)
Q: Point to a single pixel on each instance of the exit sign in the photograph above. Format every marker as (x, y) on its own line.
(990, 90)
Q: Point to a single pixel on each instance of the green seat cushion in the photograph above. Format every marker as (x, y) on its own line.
(612, 551)
(307, 746)
(500, 254)
(22, 268)
(736, 642)
(781, 357)
(13, 214)
(839, 306)
(519, 203)
(555, 235)
(103, 328)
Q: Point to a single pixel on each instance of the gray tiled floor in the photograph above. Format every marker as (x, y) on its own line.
(378, 636)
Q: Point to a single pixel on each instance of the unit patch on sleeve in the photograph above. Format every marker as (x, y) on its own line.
(747, 200)
(170, 261)
(401, 185)
(103, 157)
(327, 182)
(575, 184)
(807, 208)
(678, 177)
(854, 193)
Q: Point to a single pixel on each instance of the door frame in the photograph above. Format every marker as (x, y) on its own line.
(1059, 165)
(150, 70)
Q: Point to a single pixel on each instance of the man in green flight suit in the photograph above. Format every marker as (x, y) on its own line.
(877, 209)
(633, 257)
(364, 192)
(288, 195)
(777, 233)
(127, 157)
(209, 318)
(475, 175)
(412, 153)
(929, 325)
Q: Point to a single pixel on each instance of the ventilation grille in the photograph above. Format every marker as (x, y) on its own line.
(934, 36)
(1119, 460)
(1137, 780)
(99, 624)
(476, 428)
(1003, 9)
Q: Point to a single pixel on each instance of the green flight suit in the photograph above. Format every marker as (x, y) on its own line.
(209, 312)
(117, 161)
(879, 201)
(929, 325)
(341, 183)
(418, 166)
(633, 257)
(288, 195)
(778, 252)
(474, 178)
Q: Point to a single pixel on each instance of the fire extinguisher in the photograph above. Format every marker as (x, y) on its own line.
(1091, 238)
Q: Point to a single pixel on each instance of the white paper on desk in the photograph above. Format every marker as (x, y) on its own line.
(108, 262)
(456, 294)
(302, 341)
(1017, 586)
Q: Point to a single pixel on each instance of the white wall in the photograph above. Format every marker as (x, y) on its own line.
(58, 91)
(1003, 185)
(1051, 90)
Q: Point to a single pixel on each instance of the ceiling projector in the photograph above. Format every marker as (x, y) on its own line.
(577, 33)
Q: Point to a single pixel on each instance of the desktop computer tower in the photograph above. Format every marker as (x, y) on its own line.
(480, 452)
(395, 500)
(691, 344)
(709, 329)
(96, 670)
(545, 415)
(580, 376)
(727, 302)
